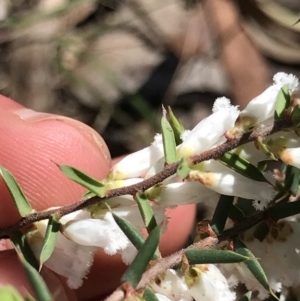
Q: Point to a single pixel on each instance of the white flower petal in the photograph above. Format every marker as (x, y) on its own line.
(136, 164)
(224, 180)
(206, 133)
(185, 193)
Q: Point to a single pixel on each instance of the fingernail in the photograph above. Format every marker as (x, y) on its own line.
(27, 114)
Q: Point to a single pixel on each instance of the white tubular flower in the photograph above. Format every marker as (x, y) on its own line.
(206, 282)
(68, 259)
(136, 164)
(104, 233)
(182, 193)
(262, 107)
(209, 131)
(224, 180)
(171, 285)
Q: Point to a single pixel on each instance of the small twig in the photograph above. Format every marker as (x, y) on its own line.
(168, 171)
(163, 264)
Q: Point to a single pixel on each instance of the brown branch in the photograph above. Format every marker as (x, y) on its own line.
(168, 171)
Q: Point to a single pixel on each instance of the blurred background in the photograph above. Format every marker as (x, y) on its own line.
(113, 63)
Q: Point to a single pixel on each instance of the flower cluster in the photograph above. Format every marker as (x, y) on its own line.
(86, 230)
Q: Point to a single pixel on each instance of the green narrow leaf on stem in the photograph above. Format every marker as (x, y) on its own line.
(146, 211)
(221, 213)
(168, 140)
(242, 166)
(135, 271)
(183, 168)
(246, 297)
(282, 102)
(84, 180)
(149, 294)
(52, 231)
(176, 125)
(283, 210)
(253, 265)
(21, 245)
(295, 116)
(16, 192)
(292, 176)
(35, 279)
(213, 256)
(130, 231)
(9, 293)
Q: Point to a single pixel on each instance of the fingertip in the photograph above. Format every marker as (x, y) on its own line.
(30, 143)
(9, 104)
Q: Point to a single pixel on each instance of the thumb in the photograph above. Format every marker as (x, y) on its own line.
(29, 144)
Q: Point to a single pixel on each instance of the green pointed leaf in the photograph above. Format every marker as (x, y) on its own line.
(52, 231)
(246, 297)
(130, 231)
(282, 102)
(168, 140)
(213, 256)
(242, 166)
(135, 271)
(16, 192)
(9, 293)
(149, 295)
(183, 168)
(221, 213)
(36, 281)
(146, 211)
(295, 116)
(84, 180)
(176, 125)
(292, 180)
(253, 265)
(21, 245)
(283, 210)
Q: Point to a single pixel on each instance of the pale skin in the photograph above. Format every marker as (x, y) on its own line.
(29, 144)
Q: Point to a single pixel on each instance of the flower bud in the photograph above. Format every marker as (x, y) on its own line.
(262, 108)
(209, 131)
(136, 164)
